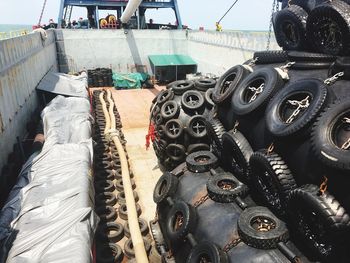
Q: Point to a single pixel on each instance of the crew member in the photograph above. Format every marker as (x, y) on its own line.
(218, 27)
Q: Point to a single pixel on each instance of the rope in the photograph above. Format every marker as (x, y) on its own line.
(42, 12)
(228, 11)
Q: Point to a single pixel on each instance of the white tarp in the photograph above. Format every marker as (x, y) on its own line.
(64, 84)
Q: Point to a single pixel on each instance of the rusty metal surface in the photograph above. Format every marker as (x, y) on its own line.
(24, 61)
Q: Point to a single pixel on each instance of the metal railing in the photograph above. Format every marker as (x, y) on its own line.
(11, 34)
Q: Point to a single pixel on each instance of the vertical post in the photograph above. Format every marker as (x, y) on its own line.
(177, 14)
(138, 18)
(60, 14)
(97, 18)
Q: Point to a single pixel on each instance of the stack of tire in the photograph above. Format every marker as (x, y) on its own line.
(206, 215)
(178, 116)
(110, 201)
(100, 77)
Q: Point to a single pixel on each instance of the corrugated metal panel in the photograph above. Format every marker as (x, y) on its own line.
(23, 63)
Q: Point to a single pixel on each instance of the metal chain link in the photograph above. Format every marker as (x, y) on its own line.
(274, 8)
(270, 149)
(233, 243)
(333, 79)
(303, 104)
(201, 201)
(287, 66)
(256, 91)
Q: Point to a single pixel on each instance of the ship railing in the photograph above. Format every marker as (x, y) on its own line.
(11, 34)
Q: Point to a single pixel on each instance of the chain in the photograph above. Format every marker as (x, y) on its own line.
(333, 79)
(201, 201)
(274, 8)
(270, 149)
(287, 66)
(303, 104)
(256, 91)
(233, 243)
(235, 127)
(253, 61)
(323, 186)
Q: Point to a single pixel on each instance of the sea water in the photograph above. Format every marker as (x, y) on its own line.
(9, 28)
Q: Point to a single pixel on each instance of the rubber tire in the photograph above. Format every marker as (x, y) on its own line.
(129, 250)
(106, 213)
(106, 198)
(274, 121)
(323, 146)
(179, 148)
(103, 232)
(326, 208)
(121, 197)
(181, 86)
(296, 16)
(270, 57)
(236, 148)
(188, 225)
(169, 183)
(144, 229)
(222, 94)
(196, 147)
(204, 84)
(186, 105)
(164, 96)
(338, 12)
(173, 114)
(215, 130)
(177, 124)
(120, 187)
(273, 82)
(302, 56)
(200, 120)
(276, 172)
(193, 165)
(211, 252)
(259, 239)
(225, 196)
(311, 65)
(209, 98)
(116, 256)
(104, 186)
(123, 213)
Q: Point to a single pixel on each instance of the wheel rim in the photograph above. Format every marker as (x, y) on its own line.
(263, 224)
(340, 132)
(269, 190)
(226, 184)
(198, 127)
(174, 128)
(192, 100)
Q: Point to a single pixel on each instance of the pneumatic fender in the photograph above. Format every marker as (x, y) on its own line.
(208, 251)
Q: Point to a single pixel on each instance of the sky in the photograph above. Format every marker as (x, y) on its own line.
(245, 15)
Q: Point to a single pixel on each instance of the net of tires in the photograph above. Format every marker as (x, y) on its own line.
(274, 186)
(100, 77)
(113, 242)
(178, 116)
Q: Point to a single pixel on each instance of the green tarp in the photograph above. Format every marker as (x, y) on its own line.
(129, 81)
(171, 60)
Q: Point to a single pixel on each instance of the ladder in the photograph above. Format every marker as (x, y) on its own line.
(68, 13)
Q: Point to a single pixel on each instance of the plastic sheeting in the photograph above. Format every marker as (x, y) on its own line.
(49, 214)
(129, 81)
(64, 84)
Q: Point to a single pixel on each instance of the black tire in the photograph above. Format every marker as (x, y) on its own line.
(270, 57)
(160, 129)
(173, 128)
(204, 84)
(181, 86)
(225, 188)
(121, 197)
(176, 152)
(215, 130)
(207, 251)
(106, 213)
(196, 127)
(158, 119)
(120, 187)
(188, 217)
(123, 211)
(242, 99)
(164, 96)
(278, 112)
(264, 238)
(209, 97)
(192, 100)
(200, 162)
(311, 65)
(236, 153)
(306, 5)
(228, 82)
(301, 56)
(104, 186)
(165, 187)
(272, 180)
(330, 133)
(129, 248)
(320, 220)
(107, 253)
(113, 232)
(144, 229)
(334, 18)
(196, 147)
(290, 28)
(106, 198)
(169, 110)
